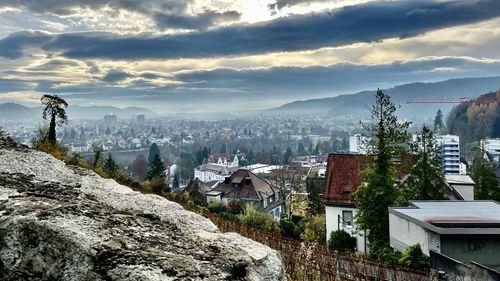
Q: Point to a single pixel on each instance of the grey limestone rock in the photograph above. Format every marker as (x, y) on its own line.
(59, 222)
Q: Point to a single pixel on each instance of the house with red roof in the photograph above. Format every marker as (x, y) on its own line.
(344, 174)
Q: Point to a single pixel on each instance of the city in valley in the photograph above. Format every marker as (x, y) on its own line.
(250, 140)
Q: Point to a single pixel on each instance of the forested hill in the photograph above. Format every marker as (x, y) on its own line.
(477, 119)
(355, 104)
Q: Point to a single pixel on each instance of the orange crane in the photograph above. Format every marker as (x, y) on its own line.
(441, 100)
(452, 100)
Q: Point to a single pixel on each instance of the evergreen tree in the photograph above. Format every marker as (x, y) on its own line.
(153, 150)
(287, 156)
(54, 107)
(301, 150)
(251, 157)
(317, 149)
(438, 121)
(378, 192)
(110, 167)
(97, 157)
(426, 180)
(175, 181)
(315, 204)
(310, 150)
(483, 174)
(156, 168)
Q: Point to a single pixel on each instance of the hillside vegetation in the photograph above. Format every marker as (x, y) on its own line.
(476, 119)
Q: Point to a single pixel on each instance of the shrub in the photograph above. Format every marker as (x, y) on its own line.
(57, 150)
(414, 258)
(288, 228)
(235, 207)
(78, 160)
(342, 241)
(159, 186)
(315, 230)
(216, 208)
(254, 218)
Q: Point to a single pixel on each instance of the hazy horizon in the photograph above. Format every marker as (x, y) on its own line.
(227, 56)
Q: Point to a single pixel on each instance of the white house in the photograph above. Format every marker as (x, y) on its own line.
(218, 171)
(342, 178)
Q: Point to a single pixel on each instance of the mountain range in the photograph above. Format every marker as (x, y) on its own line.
(13, 111)
(355, 105)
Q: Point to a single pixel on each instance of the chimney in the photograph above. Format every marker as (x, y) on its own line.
(227, 180)
(248, 181)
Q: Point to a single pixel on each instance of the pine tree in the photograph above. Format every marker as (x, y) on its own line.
(378, 192)
(54, 107)
(287, 156)
(110, 167)
(315, 205)
(153, 150)
(483, 174)
(156, 168)
(426, 180)
(438, 121)
(301, 150)
(175, 181)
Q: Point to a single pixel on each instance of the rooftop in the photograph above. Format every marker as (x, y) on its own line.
(453, 217)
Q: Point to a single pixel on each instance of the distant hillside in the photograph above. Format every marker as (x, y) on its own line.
(14, 111)
(477, 119)
(97, 112)
(354, 105)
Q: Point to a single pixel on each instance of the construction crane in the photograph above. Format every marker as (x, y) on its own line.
(441, 100)
(453, 100)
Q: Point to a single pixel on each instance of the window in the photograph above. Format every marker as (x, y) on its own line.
(346, 218)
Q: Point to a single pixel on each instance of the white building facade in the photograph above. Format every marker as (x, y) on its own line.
(207, 172)
(358, 144)
(450, 152)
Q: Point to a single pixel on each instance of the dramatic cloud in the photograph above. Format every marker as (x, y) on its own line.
(171, 14)
(12, 46)
(251, 88)
(196, 55)
(115, 76)
(361, 23)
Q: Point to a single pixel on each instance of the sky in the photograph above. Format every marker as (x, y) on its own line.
(175, 56)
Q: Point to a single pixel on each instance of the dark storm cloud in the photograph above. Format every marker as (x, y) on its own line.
(280, 4)
(115, 76)
(285, 82)
(166, 13)
(12, 46)
(360, 23)
(198, 21)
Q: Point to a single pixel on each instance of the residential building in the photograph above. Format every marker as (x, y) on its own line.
(140, 119)
(461, 230)
(217, 171)
(246, 187)
(492, 149)
(450, 153)
(358, 144)
(344, 176)
(342, 179)
(110, 121)
(463, 185)
(262, 168)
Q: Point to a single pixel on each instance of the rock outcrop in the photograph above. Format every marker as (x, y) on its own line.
(60, 222)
